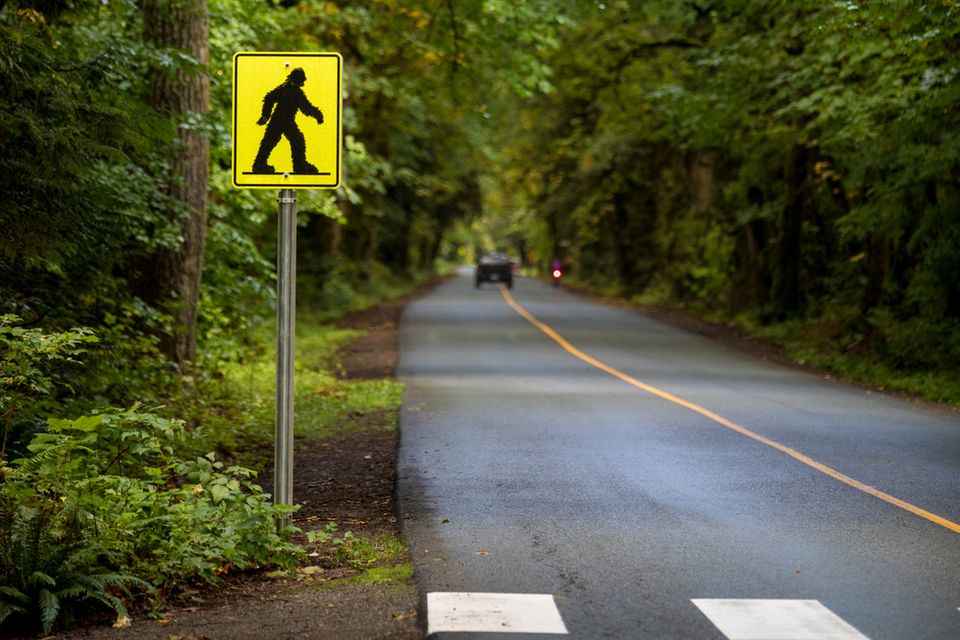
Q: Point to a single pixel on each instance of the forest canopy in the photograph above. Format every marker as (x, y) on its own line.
(759, 161)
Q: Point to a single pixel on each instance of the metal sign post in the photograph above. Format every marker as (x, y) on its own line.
(296, 96)
(286, 327)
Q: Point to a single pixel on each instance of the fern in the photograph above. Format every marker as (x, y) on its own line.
(13, 602)
(51, 568)
(49, 609)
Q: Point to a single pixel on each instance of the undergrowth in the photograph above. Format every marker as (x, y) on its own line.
(112, 506)
(235, 411)
(875, 351)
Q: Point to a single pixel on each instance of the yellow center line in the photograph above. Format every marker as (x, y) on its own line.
(793, 453)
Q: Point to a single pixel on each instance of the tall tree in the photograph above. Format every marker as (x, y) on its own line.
(181, 92)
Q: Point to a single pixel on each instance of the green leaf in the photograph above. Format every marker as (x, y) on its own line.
(15, 594)
(39, 577)
(7, 609)
(219, 492)
(83, 423)
(49, 609)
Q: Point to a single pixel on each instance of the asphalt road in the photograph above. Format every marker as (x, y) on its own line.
(524, 469)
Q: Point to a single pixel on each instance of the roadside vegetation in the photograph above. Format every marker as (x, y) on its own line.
(137, 289)
(128, 505)
(791, 169)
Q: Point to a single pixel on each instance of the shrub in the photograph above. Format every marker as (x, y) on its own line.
(49, 569)
(32, 365)
(104, 503)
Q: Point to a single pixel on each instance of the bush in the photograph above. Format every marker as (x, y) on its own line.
(32, 365)
(49, 569)
(104, 503)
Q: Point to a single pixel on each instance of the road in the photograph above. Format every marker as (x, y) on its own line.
(737, 504)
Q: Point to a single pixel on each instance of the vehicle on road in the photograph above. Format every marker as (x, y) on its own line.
(556, 272)
(494, 267)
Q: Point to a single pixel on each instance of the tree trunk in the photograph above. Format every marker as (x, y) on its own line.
(623, 243)
(181, 25)
(878, 263)
(787, 278)
(373, 242)
(661, 225)
(435, 243)
(702, 178)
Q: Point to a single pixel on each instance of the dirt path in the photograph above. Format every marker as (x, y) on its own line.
(348, 480)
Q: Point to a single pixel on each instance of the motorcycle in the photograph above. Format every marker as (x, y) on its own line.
(557, 274)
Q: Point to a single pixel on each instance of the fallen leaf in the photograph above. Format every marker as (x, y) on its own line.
(398, 617)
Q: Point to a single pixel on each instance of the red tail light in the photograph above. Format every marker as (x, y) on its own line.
(557, 273)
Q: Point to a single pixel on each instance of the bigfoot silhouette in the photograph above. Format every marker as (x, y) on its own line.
(289, 99)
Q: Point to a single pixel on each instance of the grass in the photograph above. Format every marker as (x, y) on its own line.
(805, 342)
(380, 559)
(384, 575)
(234, 410)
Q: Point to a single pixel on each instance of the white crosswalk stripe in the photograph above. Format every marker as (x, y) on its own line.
(493, 613)
(776, 620)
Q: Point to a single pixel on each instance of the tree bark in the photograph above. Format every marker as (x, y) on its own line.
(623, 243)
(878, 264)
(373, 242)
(661, 225)
(787, 279)
(181, 25)
(702, 178)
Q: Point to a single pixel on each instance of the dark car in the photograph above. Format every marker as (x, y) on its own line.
(494, 267)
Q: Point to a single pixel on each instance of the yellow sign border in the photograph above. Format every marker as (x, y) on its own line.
(283, 181)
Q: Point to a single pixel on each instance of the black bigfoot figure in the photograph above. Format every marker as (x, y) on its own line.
(289, 99)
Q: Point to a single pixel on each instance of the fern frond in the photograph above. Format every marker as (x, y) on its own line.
(92, 582)
(7, 610)
(60, 449)
(15, 594)
(38, 578)
(125, 581)
(26, 534)
(76, 593)
(149, 522)
(49, 609)
(86, 556)
(113, 602)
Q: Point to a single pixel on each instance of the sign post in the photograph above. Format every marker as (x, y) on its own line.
(287, 134)
(286, 333)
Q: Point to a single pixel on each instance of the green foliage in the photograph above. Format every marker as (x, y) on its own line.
(83, 201)
(32, 365)
(76, 163)
(106, 500)
(49, 570)
(792, 165)
(354, 551)
(339, 286)
(128, 333)
(785, 161)
(234, 410)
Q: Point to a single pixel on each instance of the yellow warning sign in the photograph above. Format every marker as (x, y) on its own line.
(287, 120)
